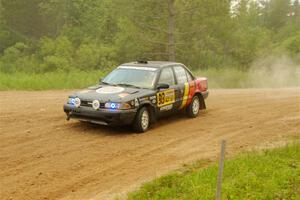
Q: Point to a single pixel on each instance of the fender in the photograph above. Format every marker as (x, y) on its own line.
(199, 85)
(152, 106)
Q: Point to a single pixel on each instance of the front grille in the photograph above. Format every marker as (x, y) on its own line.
(87, 103)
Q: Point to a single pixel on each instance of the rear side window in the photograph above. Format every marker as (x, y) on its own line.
(167, 76)
(180, 75)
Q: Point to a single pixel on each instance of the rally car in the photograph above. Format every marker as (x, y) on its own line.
(138, 93)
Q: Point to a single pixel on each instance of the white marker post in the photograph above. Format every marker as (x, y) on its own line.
(221, 167)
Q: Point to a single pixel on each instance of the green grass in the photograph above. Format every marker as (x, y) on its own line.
(47, 81)
(272, 174)
(217, 78)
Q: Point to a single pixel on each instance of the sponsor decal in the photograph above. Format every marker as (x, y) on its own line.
(165, 108)
(109, 90)
(122, 95)
(165, 97)
(185, 95)
(192, 89)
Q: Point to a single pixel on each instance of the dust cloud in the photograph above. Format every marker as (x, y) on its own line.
(275, 72)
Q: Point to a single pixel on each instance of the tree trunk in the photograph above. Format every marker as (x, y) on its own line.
(171, 23)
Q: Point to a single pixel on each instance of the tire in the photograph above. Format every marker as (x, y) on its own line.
(194, 107)
(142, 120)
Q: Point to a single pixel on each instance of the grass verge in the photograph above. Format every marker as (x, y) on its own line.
(47, 81)
(272, 174)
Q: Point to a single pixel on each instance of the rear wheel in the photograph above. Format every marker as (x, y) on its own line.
(194, 107)
(142, 120)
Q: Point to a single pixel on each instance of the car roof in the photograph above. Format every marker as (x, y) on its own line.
(154, 64)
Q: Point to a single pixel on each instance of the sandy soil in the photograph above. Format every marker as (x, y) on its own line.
(42, 156)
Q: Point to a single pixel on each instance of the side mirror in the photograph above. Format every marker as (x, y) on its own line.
(162, 86)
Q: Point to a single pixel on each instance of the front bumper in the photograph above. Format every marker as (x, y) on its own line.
(101, 116)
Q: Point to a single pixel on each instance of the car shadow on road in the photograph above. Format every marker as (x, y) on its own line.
(90, 128)
(120, 131)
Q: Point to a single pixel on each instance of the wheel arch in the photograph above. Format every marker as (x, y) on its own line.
(151, 110)
(202, 102)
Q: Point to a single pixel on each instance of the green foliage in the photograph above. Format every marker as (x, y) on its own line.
(292, 44)
(273, 174)
(63, 35)
(56, 55)
(16, 59)
(277, 13)
(93, 56)
(23, 18)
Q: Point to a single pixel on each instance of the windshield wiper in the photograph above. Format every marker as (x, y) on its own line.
(105, 83)
(128, 85)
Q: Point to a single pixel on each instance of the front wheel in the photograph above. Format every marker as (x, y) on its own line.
(142, 120)
(194, 107)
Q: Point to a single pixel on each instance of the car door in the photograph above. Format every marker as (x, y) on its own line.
(166, 98)
(182, 83)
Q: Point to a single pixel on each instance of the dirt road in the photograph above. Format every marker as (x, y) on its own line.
(42, 156)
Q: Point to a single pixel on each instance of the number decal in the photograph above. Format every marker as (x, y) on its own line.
(165, 97)
(161, 98)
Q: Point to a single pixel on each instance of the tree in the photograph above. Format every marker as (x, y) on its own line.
(296, 10)
(23, 18)
(167, 28)
(55, 14)
(276, 12)
(93, 34)
(171, 29)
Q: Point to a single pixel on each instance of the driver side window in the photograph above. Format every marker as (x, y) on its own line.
(167, 76)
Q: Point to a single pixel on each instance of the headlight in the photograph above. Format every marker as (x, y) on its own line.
(96, 104)
(71, 101)
(118, 106)
(74, 102)
(77, 102)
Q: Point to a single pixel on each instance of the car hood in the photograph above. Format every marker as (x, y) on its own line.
(107, 93)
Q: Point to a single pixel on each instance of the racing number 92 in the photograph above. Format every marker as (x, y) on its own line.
(165, 97)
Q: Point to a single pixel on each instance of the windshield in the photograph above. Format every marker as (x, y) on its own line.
(143, 77)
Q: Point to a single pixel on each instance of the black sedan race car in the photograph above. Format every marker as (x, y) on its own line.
(139, 93)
